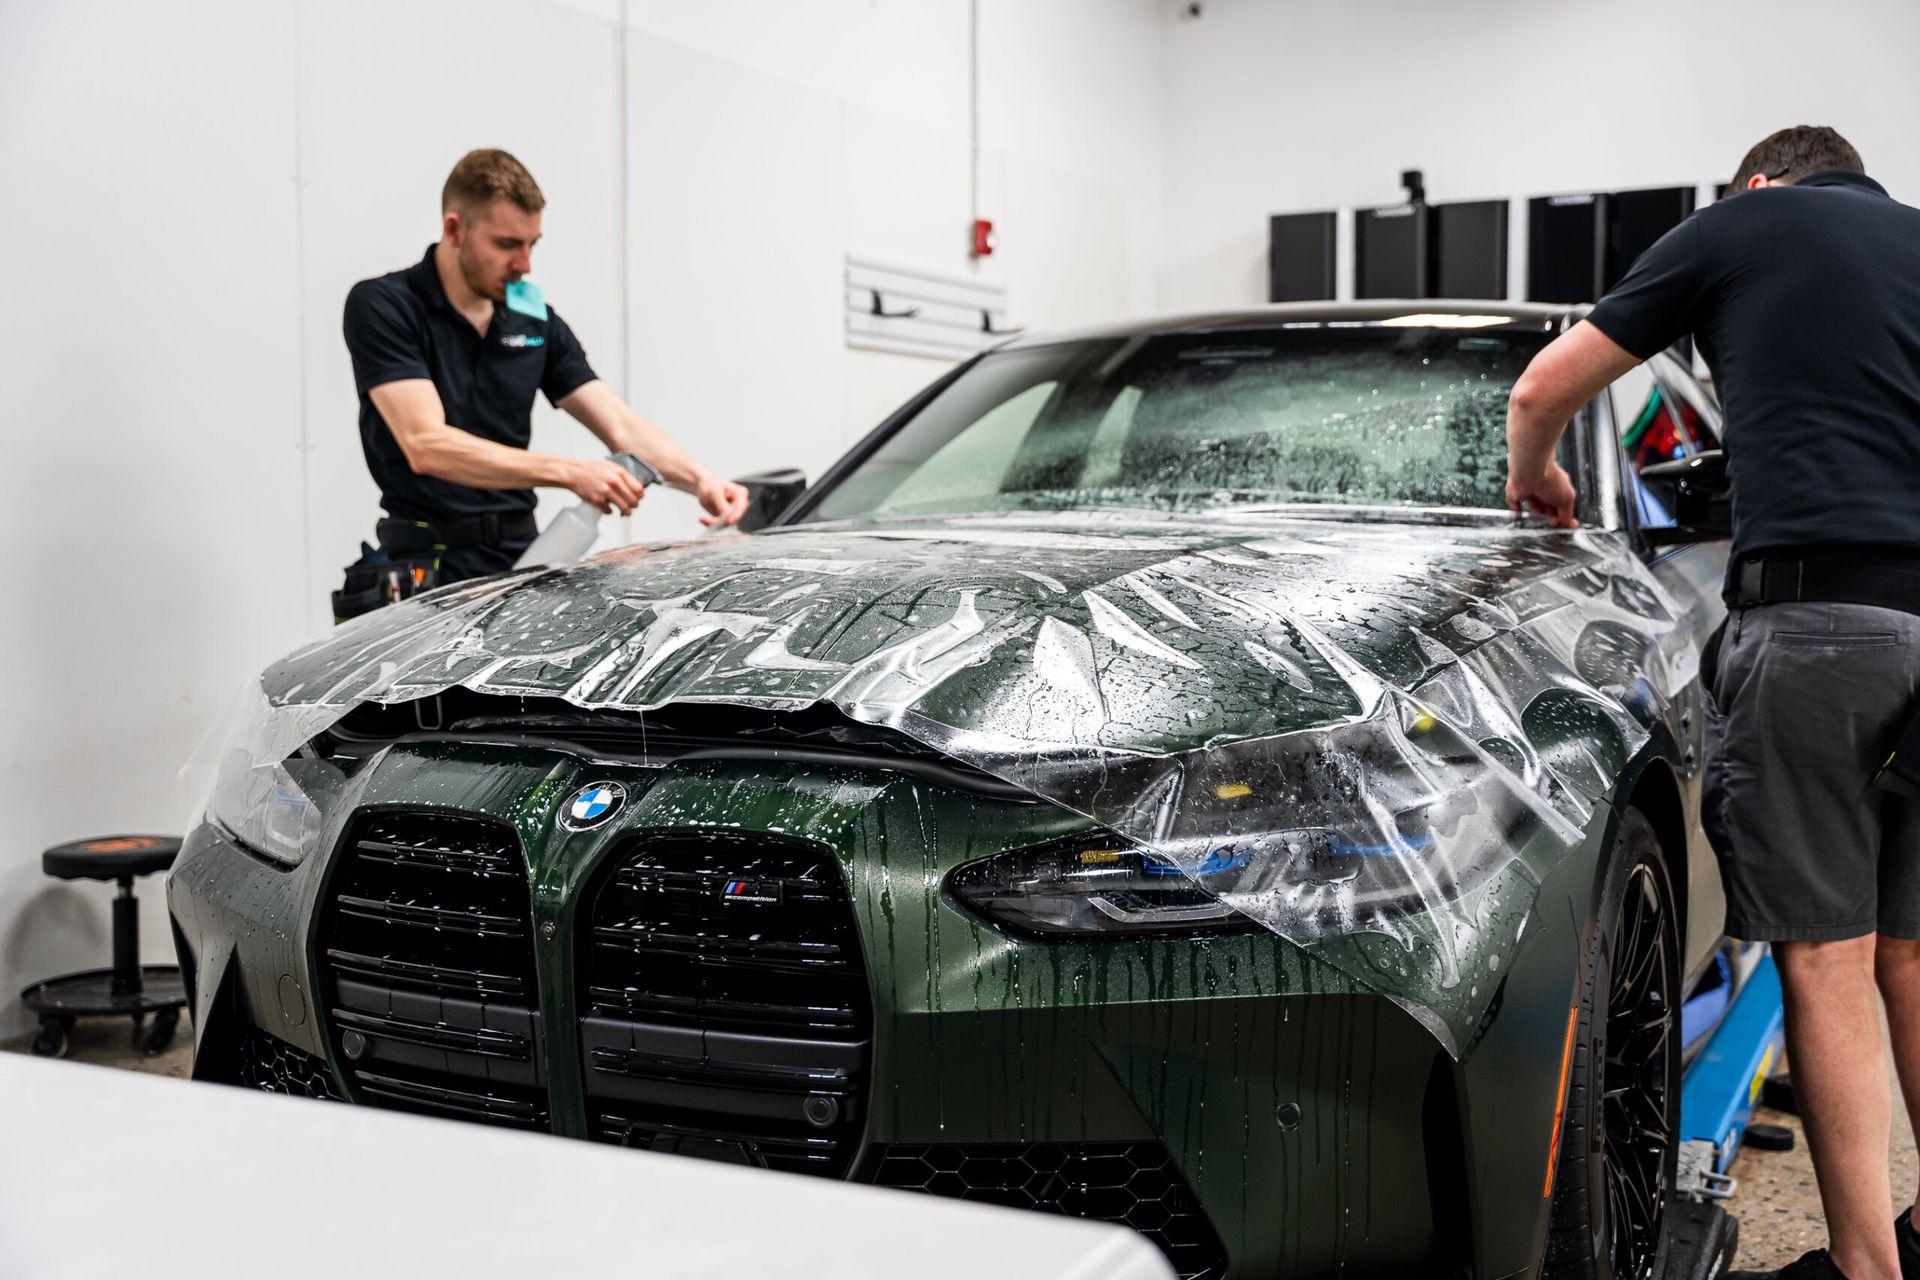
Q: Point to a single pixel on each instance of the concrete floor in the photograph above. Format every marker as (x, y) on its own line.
(1777, 1203)
(108, 1042)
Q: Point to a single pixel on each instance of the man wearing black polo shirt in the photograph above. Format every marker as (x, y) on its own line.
(1803, 293)
(447, 356)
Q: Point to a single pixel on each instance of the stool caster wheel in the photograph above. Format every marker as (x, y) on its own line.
(49, 1040)
(159, 1033)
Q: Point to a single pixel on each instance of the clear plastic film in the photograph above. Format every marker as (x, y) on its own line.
(1370, 738)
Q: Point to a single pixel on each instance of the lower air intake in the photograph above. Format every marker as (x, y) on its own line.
(1132, 1184)
(274, 1066)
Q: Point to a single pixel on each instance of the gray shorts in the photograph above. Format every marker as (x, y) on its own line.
(1810, 698)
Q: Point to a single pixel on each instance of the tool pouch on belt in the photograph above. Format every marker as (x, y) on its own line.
(1710, 659)
(406, 563)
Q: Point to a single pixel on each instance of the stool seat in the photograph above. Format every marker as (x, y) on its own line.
(110, 857)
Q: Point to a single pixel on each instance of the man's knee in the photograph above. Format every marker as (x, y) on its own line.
(1897, 959)
(1807, 964)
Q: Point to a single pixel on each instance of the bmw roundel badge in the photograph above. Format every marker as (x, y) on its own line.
(592, 805)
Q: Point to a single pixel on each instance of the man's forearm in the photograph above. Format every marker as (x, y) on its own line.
(620, 428)
(1568, 372)
(605, 414)
(658, 448)
(460, 457)
(1534, 427)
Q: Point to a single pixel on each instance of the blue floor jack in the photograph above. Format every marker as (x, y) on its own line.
(1733, 1030)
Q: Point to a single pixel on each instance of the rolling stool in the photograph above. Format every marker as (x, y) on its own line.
(127, 988)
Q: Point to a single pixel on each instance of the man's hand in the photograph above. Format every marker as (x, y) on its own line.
(1551, 496)
(725, 500)
(605, 485)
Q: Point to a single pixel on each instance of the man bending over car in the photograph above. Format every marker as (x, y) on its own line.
(1803, 292)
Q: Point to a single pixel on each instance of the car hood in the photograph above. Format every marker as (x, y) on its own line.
(1129, 632)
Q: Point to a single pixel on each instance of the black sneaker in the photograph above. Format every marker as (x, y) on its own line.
(1808, 1266)
(1909, 1241)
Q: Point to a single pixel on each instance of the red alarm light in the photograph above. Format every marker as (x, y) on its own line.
(983, 239)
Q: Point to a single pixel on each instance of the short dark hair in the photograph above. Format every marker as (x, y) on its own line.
(487, 175)
(1797, 152)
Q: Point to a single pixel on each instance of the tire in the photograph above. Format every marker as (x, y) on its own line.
(1619, 1141)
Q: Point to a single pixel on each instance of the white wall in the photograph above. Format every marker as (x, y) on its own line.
(1279, 105)
(191, 188)
(151, 358)
(768, 141)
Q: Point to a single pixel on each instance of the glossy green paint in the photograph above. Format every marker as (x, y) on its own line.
(982, 1037)
(1292, 1098)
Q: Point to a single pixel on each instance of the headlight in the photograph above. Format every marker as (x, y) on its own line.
(255, 794)
(1091, 886)
(264, 808)
(1320, 832)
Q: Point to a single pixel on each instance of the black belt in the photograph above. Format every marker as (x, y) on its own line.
(491, 529)
(1887, 580)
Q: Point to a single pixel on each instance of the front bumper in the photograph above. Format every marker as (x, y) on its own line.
(1252, 1110)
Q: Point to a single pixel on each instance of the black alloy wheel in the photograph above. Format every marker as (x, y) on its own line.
(1638, 1101)
(1619, 1147)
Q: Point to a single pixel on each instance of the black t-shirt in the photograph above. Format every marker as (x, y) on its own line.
(1805, 300)
(401, 325)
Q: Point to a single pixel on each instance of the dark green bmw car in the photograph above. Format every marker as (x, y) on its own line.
(1151, 778)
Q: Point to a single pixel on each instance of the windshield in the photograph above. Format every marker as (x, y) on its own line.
(1357, 416)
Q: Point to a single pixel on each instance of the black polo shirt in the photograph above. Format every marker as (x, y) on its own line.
(1805, 301)
(401, 325)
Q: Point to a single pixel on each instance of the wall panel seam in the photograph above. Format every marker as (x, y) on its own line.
(300, 310)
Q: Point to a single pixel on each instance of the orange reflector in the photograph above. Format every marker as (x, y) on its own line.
(119, 844)
(1232, 791)
(1094, 856)
(1560, 1104)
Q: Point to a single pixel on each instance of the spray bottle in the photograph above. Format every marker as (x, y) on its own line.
(572, 532)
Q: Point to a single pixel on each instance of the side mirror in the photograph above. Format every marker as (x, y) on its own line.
(769, 494)
(1697, 492)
